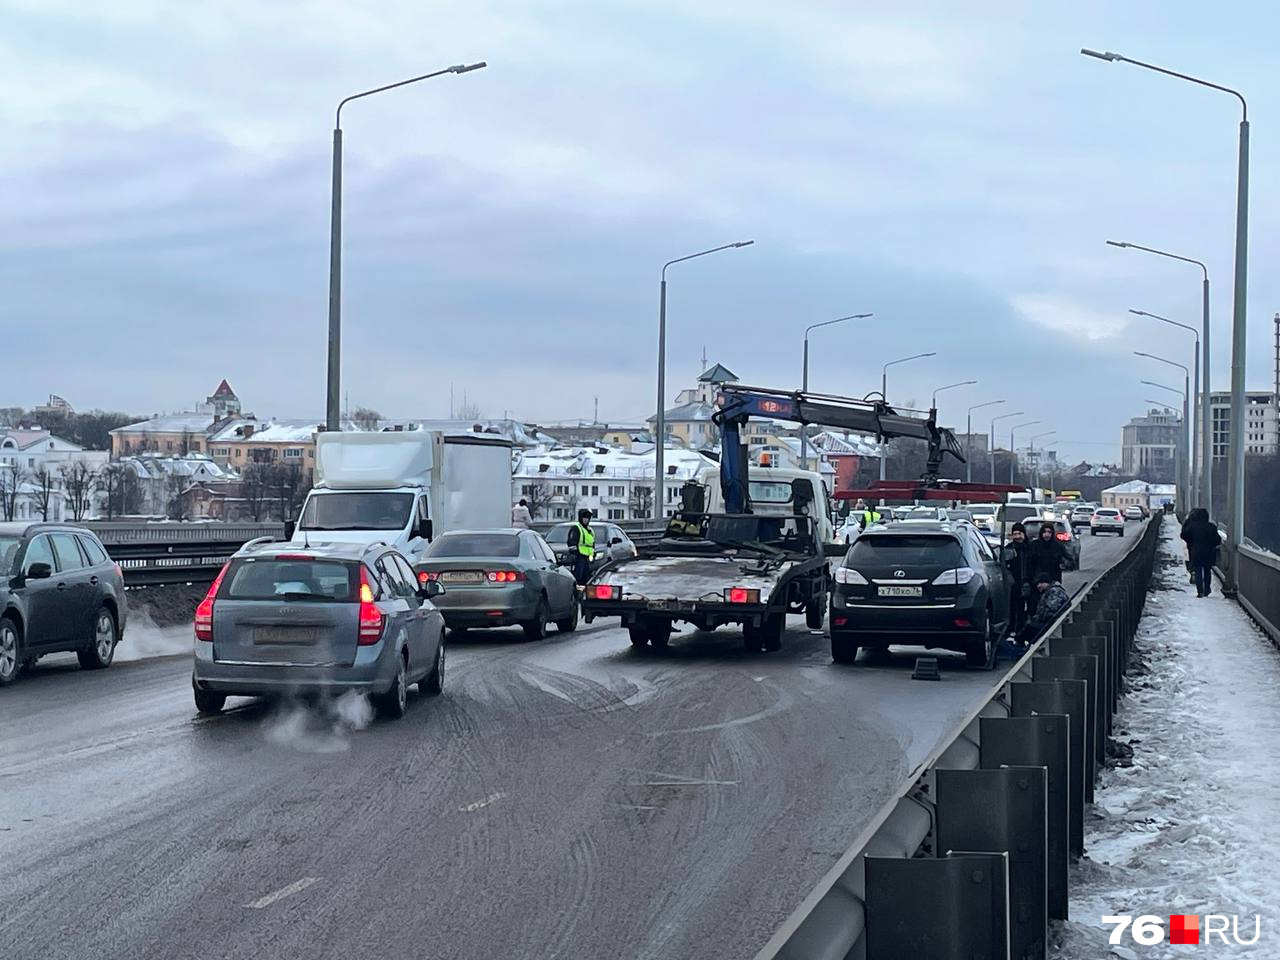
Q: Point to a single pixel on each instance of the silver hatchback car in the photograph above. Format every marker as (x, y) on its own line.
(280, 620)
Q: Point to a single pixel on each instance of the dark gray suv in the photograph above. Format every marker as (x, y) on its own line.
(58, 592)
(283, 619)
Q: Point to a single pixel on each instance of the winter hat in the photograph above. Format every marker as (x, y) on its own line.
(1043, 578)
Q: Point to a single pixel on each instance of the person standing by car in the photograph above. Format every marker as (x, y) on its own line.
(1047, 554)
(1017, 560)
(582, 543)
(1053, 599)
(521, 518)
(1201, 536)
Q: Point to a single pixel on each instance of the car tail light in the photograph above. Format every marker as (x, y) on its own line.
(955, 577)
(741, 595)
(604, 591)
(1064, 536)
(850, 575)
(840, 621)
(427, 576)
(204, 612)
(504, 576)
(962, 623)
(371, 619)
(119, 571)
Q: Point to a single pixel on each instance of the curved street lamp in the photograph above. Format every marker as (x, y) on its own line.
(968, 433)
(1191, 428)
(1003, 416)
(884, 395)
(804, 432)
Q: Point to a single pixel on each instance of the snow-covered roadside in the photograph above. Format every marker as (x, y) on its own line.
(1193, 826)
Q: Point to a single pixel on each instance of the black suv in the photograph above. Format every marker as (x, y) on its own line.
(58, 592)
(924, 584)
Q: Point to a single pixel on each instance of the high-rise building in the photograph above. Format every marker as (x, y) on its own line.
(1262, 426)
(1149, 445)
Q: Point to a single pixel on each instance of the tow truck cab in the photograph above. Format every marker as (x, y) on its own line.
(773, 493)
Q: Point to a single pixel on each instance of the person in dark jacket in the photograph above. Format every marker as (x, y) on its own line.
(1201, 536)
(1047, 554)
(1053, 599)
(1017, 561)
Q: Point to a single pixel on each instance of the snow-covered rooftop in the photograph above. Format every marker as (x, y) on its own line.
(608, 462)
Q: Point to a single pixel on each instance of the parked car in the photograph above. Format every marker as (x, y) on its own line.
(984, 515)
(1134, 512)
(1063, 533)
(500, 578)
(58, 592)
(1107, 519)
(959, 513)
(612, 543)
(285, 619)
(1081, 514)
(934, 585)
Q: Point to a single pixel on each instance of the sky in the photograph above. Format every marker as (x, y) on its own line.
(954, 169)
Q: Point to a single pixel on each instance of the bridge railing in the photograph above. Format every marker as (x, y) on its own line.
(1259, 583)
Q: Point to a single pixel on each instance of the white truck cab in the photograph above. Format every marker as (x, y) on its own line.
(772, 493)
(405, 487)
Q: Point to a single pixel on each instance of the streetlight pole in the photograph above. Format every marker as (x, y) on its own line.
(1034, 459)
(884, 395)
(1003, 416)
(1193, 488)
(1013, 455)
(1183, 476)
(660, 438)
(334, 391)
(1239, 317)
(968, 433)
(949, 386)
(804, 433)
(1204, 488)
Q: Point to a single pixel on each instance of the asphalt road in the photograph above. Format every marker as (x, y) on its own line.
(565, 799)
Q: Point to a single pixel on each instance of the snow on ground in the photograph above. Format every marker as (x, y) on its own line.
(1193, 826)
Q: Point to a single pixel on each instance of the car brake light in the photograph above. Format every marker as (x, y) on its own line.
(604, 591)
(741, 595)
(956, 577)
(1064, 536)
(504, 576)
(427, 576)
(849, 575)
(371, 619)
(204, 612)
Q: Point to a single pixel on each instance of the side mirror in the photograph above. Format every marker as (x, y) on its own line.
(615, 542)
(39, 571)
(430, 590)
(425, 528)
(289, 527)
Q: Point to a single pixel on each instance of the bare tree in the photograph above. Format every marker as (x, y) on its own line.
(119, 485)
(174, 486)
(537, 495)
(290, 484)
(78, 481)
(11, 481)
(366, 418)
(256, 487)
(45, 483)
(641, 502)
(468, 410)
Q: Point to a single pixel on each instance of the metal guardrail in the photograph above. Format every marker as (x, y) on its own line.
(999, 783)
(1259, 588)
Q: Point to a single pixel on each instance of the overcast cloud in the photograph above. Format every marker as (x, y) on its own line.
(165, 221)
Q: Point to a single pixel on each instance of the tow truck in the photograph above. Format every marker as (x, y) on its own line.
(739, 567)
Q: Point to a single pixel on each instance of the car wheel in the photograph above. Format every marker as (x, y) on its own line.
(536, 629)
(843, 649)
(815, 611)
(980, 650)
(569, 623)
(10, 651)
(208, 703)
(752, 639)
(1120, 532)
(639, 636)
(433, 683)
(660, 635)
(391, 705)
(771, 631)
(1093, 533)
(102, 648)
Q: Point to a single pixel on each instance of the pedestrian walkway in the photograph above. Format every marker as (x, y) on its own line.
(1193, 825)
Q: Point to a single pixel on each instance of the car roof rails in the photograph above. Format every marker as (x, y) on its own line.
(375, 544)
(257, 542)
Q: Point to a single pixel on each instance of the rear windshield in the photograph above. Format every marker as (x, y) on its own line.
(559, 533)
(770, 491)
(475, 545)
(1082, 509)
(1107, 512)
(904, 551)
(357, 511)
(1016, 512)
(279, 578)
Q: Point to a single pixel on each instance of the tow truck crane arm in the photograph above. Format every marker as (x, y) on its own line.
(739, 403)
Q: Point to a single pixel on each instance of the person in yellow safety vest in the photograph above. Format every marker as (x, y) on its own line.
(868, 515)
(582, 542)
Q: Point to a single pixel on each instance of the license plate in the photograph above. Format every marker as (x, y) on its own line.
(462, 576)
(900, 591)
(661, 604)
(289, 635)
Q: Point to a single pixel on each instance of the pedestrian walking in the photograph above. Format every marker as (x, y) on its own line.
(1021, 598)
(521, 518)
(1047, 554)
(1203, 541)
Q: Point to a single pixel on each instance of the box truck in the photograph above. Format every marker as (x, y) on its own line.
(405, 488)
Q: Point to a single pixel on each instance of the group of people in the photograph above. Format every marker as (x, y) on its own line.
(1036, 594)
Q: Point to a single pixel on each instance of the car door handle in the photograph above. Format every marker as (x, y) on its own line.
(94, 580)
(62, 586)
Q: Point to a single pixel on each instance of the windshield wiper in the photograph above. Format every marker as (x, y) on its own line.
(293, 597)
(349, 526)
(754, 546)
